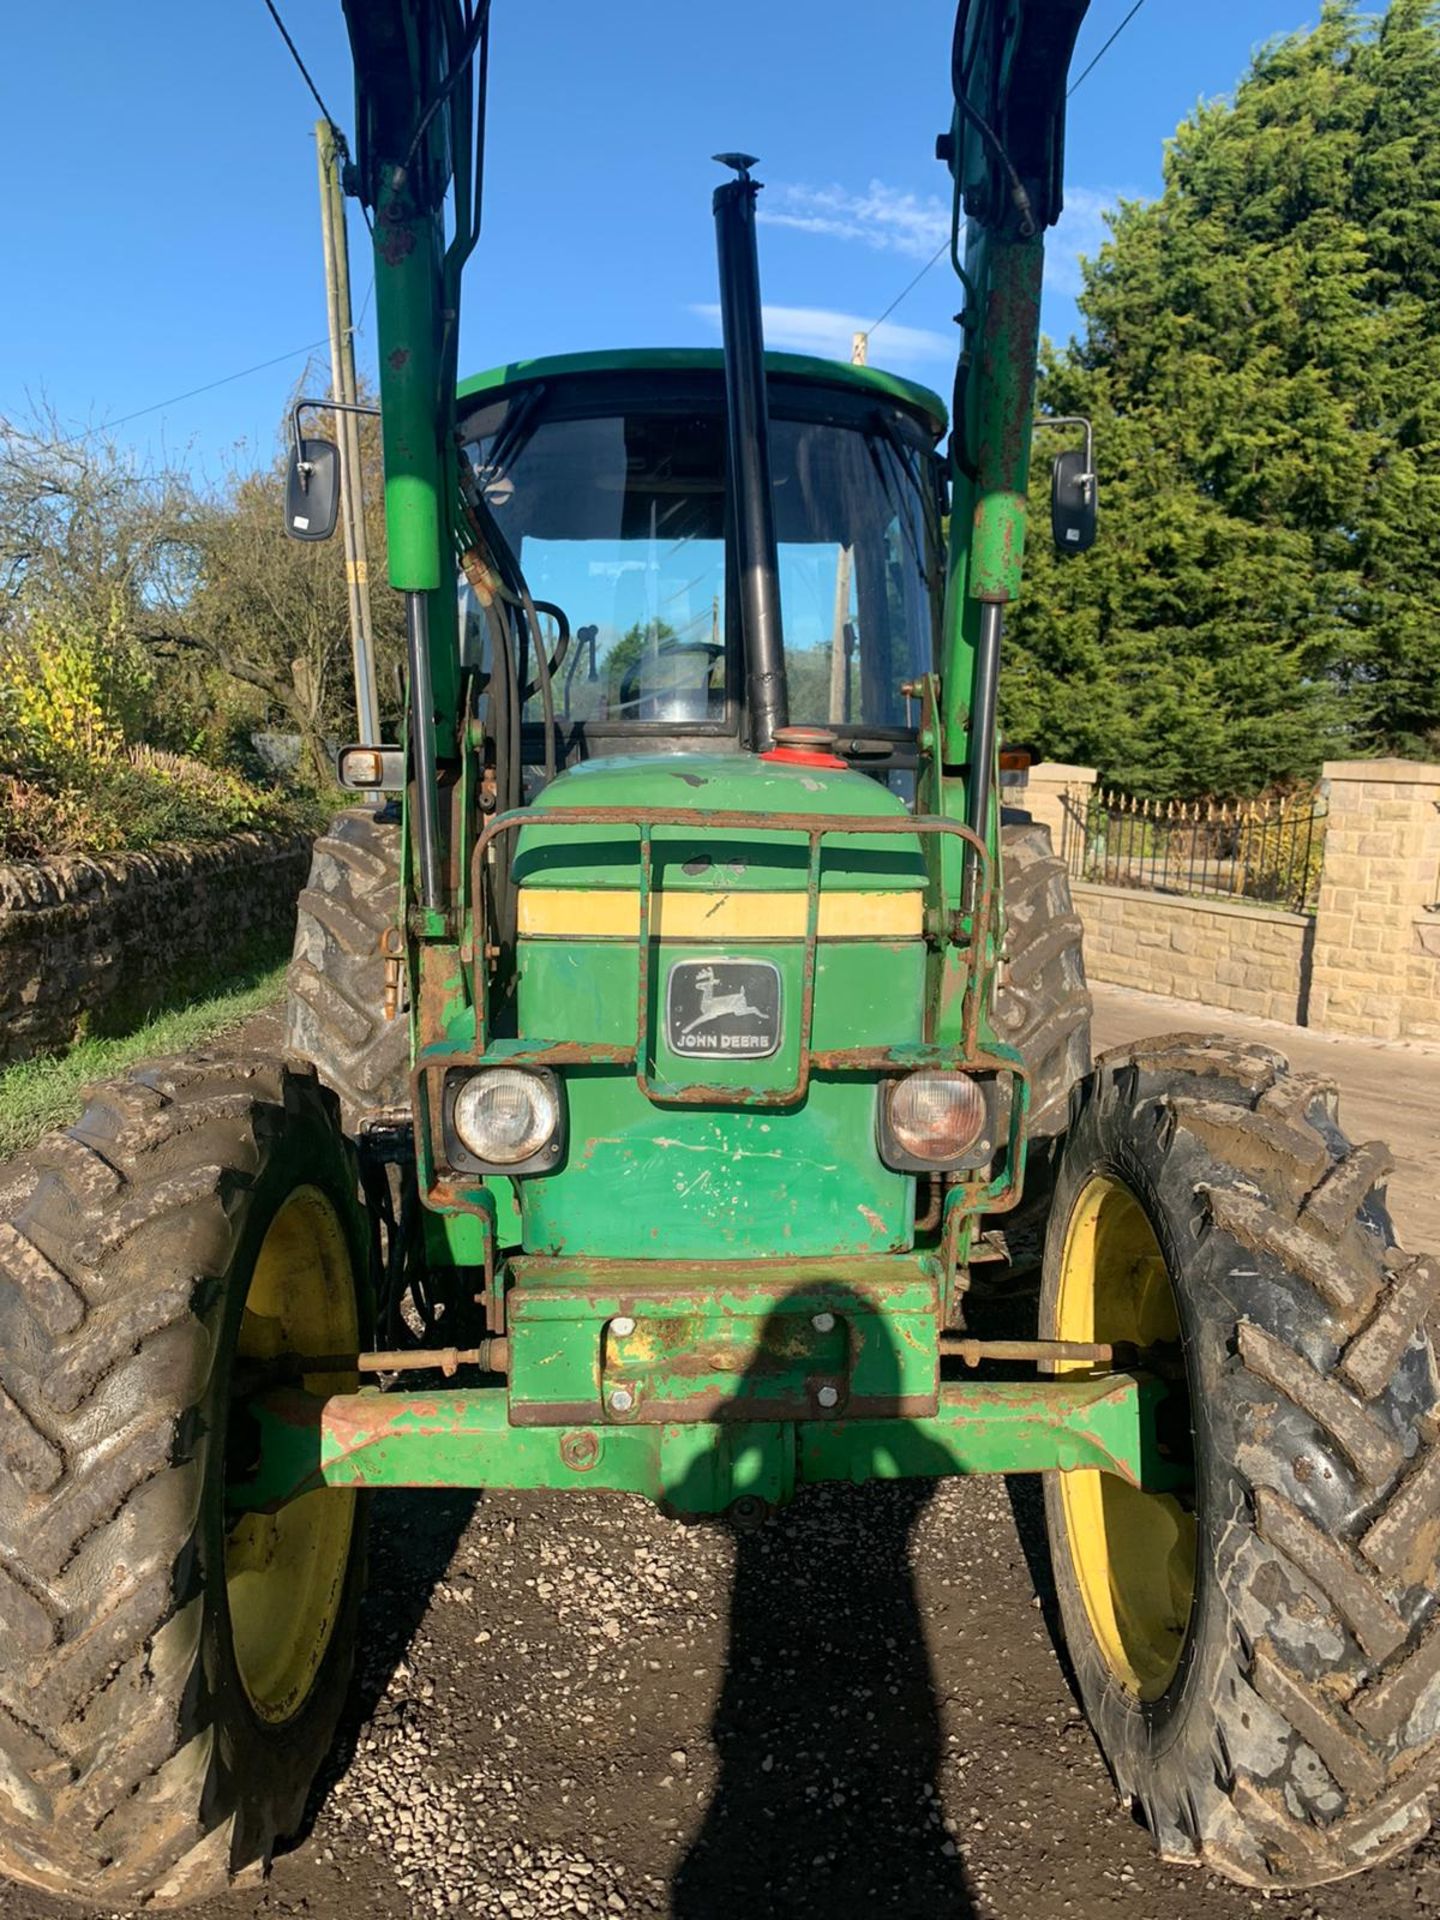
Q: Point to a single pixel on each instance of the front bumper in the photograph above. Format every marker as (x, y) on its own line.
(466, 1439)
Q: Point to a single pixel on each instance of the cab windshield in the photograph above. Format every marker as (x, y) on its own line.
(617, 515)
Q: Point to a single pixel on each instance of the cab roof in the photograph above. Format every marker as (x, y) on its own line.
(794, 366)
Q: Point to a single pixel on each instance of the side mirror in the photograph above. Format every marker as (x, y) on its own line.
(377, 769)
(312, 490)
(1074, 502)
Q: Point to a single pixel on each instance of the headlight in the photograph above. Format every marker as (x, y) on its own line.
(504, 1117)
(935, 1120)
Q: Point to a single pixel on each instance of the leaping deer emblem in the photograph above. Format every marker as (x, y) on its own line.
(714, 1005)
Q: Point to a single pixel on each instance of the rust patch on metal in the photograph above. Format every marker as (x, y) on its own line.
(580, 1450)
(395, 236)
(716, 1408)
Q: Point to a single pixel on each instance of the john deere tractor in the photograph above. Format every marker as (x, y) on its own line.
(678, 1032)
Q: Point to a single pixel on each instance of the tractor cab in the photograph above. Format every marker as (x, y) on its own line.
(606, 476)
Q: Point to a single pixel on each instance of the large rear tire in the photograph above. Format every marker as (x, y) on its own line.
(172, 1673)
(335, 1019)
(1260, 1661)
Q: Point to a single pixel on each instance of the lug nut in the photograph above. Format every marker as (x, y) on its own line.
(828, 1396)
(823, 1322)
(621, 1400)
(622, 1324)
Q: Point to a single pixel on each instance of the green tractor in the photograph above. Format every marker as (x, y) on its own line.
(681, 1038)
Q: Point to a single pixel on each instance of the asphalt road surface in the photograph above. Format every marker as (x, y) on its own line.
(574, 1706)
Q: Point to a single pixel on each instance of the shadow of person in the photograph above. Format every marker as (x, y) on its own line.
(827, 1727)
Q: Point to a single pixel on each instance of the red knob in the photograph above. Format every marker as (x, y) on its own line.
(805, 747)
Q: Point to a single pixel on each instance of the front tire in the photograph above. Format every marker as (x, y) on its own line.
(1262, 1671)
(336, 1017)
(172, 1676)
(1042, 1007)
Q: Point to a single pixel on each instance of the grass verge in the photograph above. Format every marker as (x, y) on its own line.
(36, 1095)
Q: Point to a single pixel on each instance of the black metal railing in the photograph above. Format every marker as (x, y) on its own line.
(1267, 851)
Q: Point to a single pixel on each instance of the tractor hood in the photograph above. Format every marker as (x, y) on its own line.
(719, 961)
(702, 858)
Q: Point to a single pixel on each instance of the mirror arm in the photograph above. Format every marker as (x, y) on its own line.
(1086, 479)
(302, 466)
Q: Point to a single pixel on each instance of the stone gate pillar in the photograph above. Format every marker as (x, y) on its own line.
(1376, 958)
(1051, 788)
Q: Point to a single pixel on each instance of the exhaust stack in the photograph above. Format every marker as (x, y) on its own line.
(752, 510)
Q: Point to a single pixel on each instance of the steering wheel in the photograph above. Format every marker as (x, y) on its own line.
(630, 695)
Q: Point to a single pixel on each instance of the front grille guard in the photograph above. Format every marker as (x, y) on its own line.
(997, 1194)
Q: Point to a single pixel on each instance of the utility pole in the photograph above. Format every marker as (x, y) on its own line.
(839, 651)
(342, 388)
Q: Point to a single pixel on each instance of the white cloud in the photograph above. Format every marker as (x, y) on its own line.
(890, 220)
(1081, 231)
(882, 217)
(822, 331)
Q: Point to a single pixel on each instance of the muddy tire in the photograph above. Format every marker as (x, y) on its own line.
(149, 1748)
(1295, 1737)
(335, 1018)
(1042, 1006)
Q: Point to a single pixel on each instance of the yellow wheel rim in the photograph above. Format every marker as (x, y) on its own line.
(285, 1572)
(1132, 1553)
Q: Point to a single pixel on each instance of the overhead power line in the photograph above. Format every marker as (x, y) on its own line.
(260, 366)
(209, 387)
(944, 246)
(274, 13)
(1085, 74)
(909, 287)
(191, 393)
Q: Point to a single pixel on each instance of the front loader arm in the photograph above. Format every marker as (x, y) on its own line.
(419, 96)
(1005, 151)
(1009, 66)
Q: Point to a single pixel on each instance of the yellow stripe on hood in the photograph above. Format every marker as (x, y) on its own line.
(581, 913)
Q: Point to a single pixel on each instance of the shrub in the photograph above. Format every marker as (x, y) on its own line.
(70, 783)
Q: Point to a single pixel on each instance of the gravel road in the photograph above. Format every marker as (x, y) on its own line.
(578, 1707)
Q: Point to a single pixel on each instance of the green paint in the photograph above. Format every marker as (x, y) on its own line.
(766, 1346)
(991, 470)
(690, 1182)
(1004, 389)
(606, 856)
(465, 1439)
(407, 279)
(789, 366)
(687, 1182)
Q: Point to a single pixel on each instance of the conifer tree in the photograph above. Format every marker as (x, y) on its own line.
(1262, 365)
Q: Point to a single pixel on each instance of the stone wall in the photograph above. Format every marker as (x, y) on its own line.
(1368, 962)
(1420, 1009)
(91, 945)
(1222, 954)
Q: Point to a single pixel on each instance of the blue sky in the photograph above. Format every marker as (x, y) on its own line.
(163, 229)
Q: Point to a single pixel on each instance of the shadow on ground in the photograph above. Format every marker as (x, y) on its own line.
(828, 1725)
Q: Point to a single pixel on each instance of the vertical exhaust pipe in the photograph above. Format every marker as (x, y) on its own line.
(752, 507)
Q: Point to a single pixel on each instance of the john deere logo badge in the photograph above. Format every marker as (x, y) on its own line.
(726, 1007)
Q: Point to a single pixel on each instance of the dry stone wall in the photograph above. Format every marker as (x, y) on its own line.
(93, 944)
